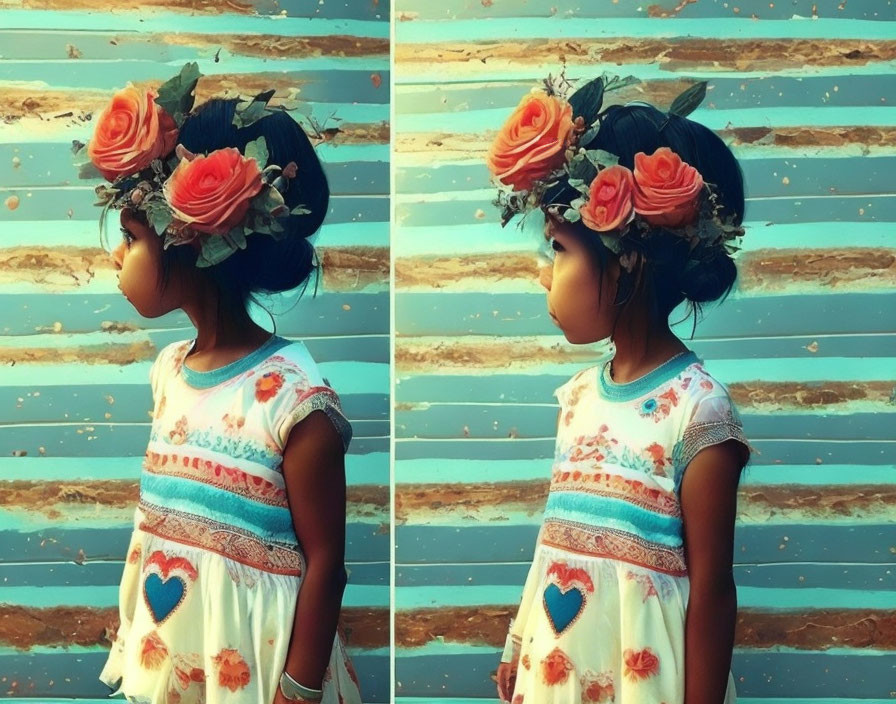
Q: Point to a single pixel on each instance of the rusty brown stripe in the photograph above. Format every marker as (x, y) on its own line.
(766, 395)
(805, 629)
(26, 627)
(490, 501)
(51, 498)
(674, 53)
(344, 268)
(473, 147)
(210, 7)
(766, 270)
(348, 268)
(276, 46)
(413, 357)
(116, 353)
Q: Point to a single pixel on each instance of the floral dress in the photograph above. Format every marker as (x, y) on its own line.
(602, 616)
(213, 569)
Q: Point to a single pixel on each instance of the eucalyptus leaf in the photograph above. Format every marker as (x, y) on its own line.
(572, 215)
(254, 111)
(577, 203)
(589, 135)
(176, 94)
(599, 157)
(300, 210)
(587, 100)
(159, 214)
(581, 168)
(258, 150)
(611, 243)
(688, 101)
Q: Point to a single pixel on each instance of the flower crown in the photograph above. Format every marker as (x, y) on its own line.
(216, 199)
(537, 153)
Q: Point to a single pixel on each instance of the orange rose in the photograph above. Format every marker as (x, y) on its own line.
(532, 142)
(640, 664)
(667, 189)
(598, 688)
(609, 200)
(130, 132)
(212, 193)
(233, 672)
(555, 668)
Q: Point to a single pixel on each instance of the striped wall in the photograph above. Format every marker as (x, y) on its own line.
(805, 93)
(74, 391)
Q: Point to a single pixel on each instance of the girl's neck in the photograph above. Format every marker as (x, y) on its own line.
(636, 355)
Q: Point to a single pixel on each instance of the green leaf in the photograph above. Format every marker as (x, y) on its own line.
(300, 210)
(599, 158)
(611, 243)
(587, 100)
(254, 111)
(582, 169)
(258, 150)
(577, 203)
(688, 101)
(176, 94)
(572, 215)
(159, 214)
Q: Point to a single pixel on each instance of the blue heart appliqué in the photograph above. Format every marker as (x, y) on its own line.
(562, 607)
(163, 597)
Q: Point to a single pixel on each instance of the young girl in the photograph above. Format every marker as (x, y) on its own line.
(234, 574)
(630, 597)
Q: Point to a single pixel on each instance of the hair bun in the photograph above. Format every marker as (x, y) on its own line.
(708, 274)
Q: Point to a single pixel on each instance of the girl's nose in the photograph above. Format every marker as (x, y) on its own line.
(118, 255)
(545, 275)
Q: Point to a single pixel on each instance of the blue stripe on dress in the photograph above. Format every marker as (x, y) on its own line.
(189, 496)
(615, 513)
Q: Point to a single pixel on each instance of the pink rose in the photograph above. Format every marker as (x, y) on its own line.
(667, 190)
(609, 203)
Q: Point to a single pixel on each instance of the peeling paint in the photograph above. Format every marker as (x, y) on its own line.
(413, 356)
(804, 630)
(853, 268)
(441, 272)
(108, 353)
(672, 52)
(470, 499)
(349, 268)
(278, 46)
(768, 395)
(211, 7)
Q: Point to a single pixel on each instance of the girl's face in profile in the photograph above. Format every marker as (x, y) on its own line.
(580, 300)
(138, 259)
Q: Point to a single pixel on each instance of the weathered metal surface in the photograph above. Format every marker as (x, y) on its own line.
(75, 356)
(802, 92)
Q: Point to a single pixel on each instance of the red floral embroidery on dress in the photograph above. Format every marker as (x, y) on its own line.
(640, 664)
(518, 699)
(567, 577)
(166, 565)
(178, 435)
(233, 671)
(597, 687)
(187, 670)
(574, 395)
(592, 448)
(134, 555)
(267, 386)
(527, 663)
(161, 407)
(648, 588)
(153, 651)
(555, 668)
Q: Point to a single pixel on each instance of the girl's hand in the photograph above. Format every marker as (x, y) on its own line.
(506, 680)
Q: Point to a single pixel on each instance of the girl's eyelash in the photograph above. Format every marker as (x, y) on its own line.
(126, 234)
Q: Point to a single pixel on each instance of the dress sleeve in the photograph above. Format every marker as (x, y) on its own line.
(514, 641)
(301, 403)
(715, 420)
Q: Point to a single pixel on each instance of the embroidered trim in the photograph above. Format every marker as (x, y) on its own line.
(699, 435)
(231, 479)
(223, 539)
(618, 487)
(319, 398)
(614, 544)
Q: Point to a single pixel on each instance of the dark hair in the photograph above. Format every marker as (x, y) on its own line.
(670, 272)
(266, 265)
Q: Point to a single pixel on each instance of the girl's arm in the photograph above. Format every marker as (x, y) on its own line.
(314, 472)
(709, 506)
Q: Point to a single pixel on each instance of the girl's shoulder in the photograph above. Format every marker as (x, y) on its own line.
(570, 391)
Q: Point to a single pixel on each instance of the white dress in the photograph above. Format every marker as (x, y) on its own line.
(213, 570)
(603, 610)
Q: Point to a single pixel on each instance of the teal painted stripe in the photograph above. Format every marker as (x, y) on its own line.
(360, 470)
(795, 10)
(475, 122)
(346, 377)
(421, 597)
(107, 596)
(447, 313)
(616, 513)
(785, 543)
(557, 28)
(198, 23)
(488, 237)
(324, 314)
(461, 471)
